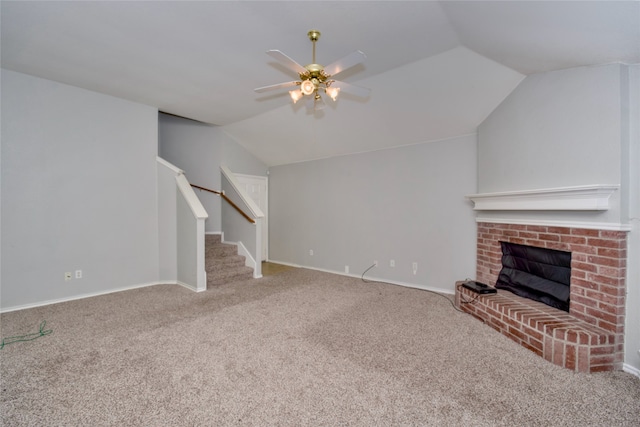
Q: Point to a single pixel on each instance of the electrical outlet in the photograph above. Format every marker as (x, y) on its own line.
(78, 274)
(311, 252)
(392, 263)
(415, 268)
(67, 276)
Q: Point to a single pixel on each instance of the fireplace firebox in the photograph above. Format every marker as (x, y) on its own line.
(540, 274)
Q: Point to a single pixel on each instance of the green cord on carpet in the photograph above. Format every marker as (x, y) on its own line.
(28, 337)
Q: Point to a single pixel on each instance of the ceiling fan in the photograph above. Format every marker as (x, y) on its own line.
(315, 78)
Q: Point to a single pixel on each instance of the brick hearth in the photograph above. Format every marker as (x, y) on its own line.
(587, 339)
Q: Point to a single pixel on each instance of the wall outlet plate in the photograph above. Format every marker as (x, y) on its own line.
(67, 276)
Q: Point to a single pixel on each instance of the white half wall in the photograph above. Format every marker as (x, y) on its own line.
(403, 204)
(78, 192)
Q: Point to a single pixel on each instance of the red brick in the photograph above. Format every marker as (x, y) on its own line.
(584, 249)
(584, 266)
(577, 240)
(577, 298)
(556, 245)
(606, 280)
(607, 243)
(583, 359)
(586, 284)
(612, 253)
(607, 326)
(585, 232)
(559, 230)
(527, 235)
(603, 349)
(610, 262)
(612, 234)
(516, 333)
(616, 291)
(549, 237)
(612, 271)
(570, 357)
(537, 345)
(558, 352)
(602, 360)
(613, 300)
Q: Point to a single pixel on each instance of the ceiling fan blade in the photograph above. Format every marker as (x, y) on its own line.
(360, 91)
(286, 61)
(348, 61)
(276, 86)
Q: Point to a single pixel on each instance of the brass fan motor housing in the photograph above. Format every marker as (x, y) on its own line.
(313, 35)
(314, 71)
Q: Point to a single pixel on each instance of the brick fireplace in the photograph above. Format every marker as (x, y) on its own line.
(587, 339)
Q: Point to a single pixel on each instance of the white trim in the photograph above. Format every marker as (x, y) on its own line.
(168, 165)
(553, 223)
(83, 296)
(255, 209)
(372, 279)
(201, 268)
(187, 286)
(631, 370)
(265, 221)
(190, 197)
(578, 198)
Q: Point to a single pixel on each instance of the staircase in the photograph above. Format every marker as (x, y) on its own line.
(222, 262)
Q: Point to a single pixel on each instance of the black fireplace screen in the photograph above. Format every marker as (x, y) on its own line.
(539, 274)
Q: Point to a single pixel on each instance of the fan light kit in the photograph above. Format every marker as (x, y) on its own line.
(315, 78)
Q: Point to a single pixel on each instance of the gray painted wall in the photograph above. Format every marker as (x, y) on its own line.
(562, 128)
(632, 338)
(200, 149)
(572, 127)
(405, 204)
(78, 192)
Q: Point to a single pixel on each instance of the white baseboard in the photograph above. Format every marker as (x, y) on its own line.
(82, 296)
(371, 279)
(631, 370)
(185, 285)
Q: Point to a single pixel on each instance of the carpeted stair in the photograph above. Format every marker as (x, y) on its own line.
(222, 262)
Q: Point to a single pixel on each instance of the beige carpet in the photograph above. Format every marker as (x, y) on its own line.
(301, 348)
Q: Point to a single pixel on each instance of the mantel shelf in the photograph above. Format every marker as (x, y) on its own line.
(578, 198)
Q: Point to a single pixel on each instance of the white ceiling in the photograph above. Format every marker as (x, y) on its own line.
(436, 68)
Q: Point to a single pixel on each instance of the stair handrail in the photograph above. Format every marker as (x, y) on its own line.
(224, 196)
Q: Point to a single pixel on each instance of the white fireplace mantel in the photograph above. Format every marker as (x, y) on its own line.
(578, 198)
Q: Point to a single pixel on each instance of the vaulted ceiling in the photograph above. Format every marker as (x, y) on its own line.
(436, 69)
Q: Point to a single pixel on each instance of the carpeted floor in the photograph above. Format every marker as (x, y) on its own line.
(299, 348)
